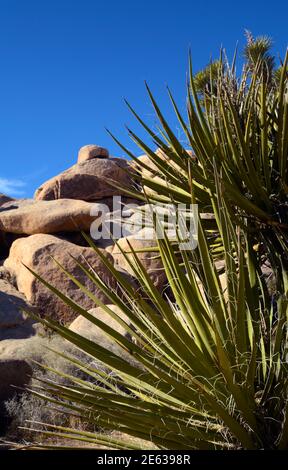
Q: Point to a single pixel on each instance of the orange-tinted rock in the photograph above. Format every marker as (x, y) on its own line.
(4, 199)
(150, 260)
(88, 152)
(36, 252)
(87, 181)
(46, 217)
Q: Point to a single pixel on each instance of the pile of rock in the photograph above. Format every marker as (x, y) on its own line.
(34, 232)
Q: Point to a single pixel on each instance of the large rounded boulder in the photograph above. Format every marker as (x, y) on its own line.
(46, 216)
(88, 180)
(39, 252)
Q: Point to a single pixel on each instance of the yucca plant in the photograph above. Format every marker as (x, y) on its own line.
(207, 371)
(206, 367)
(236, 125)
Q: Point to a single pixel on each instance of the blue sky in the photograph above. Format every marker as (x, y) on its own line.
(66, 66)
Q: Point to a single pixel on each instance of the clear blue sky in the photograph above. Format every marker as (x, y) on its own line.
(66, 66)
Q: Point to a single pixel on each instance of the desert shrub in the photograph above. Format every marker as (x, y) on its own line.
(24, 408)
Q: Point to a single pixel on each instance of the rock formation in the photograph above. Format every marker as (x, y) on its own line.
(88, 180)
(36, 232)
(38, 253)
(4, 199)
(85, 328)
(47, 217)
(88, 152)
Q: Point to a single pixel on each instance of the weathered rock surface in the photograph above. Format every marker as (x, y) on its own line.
(84, 327)
(4, 199)
(87, 180)
(36, 252)
(46, 217)
(149, 259)
(152, 168)
(14, 322)
(64, 205)
(88, 152)
(5, 275)
(90, 331)
(11, 304)
(26, 330)
(24, 349)
(13, 373)
(16, 204)
(115, 224)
